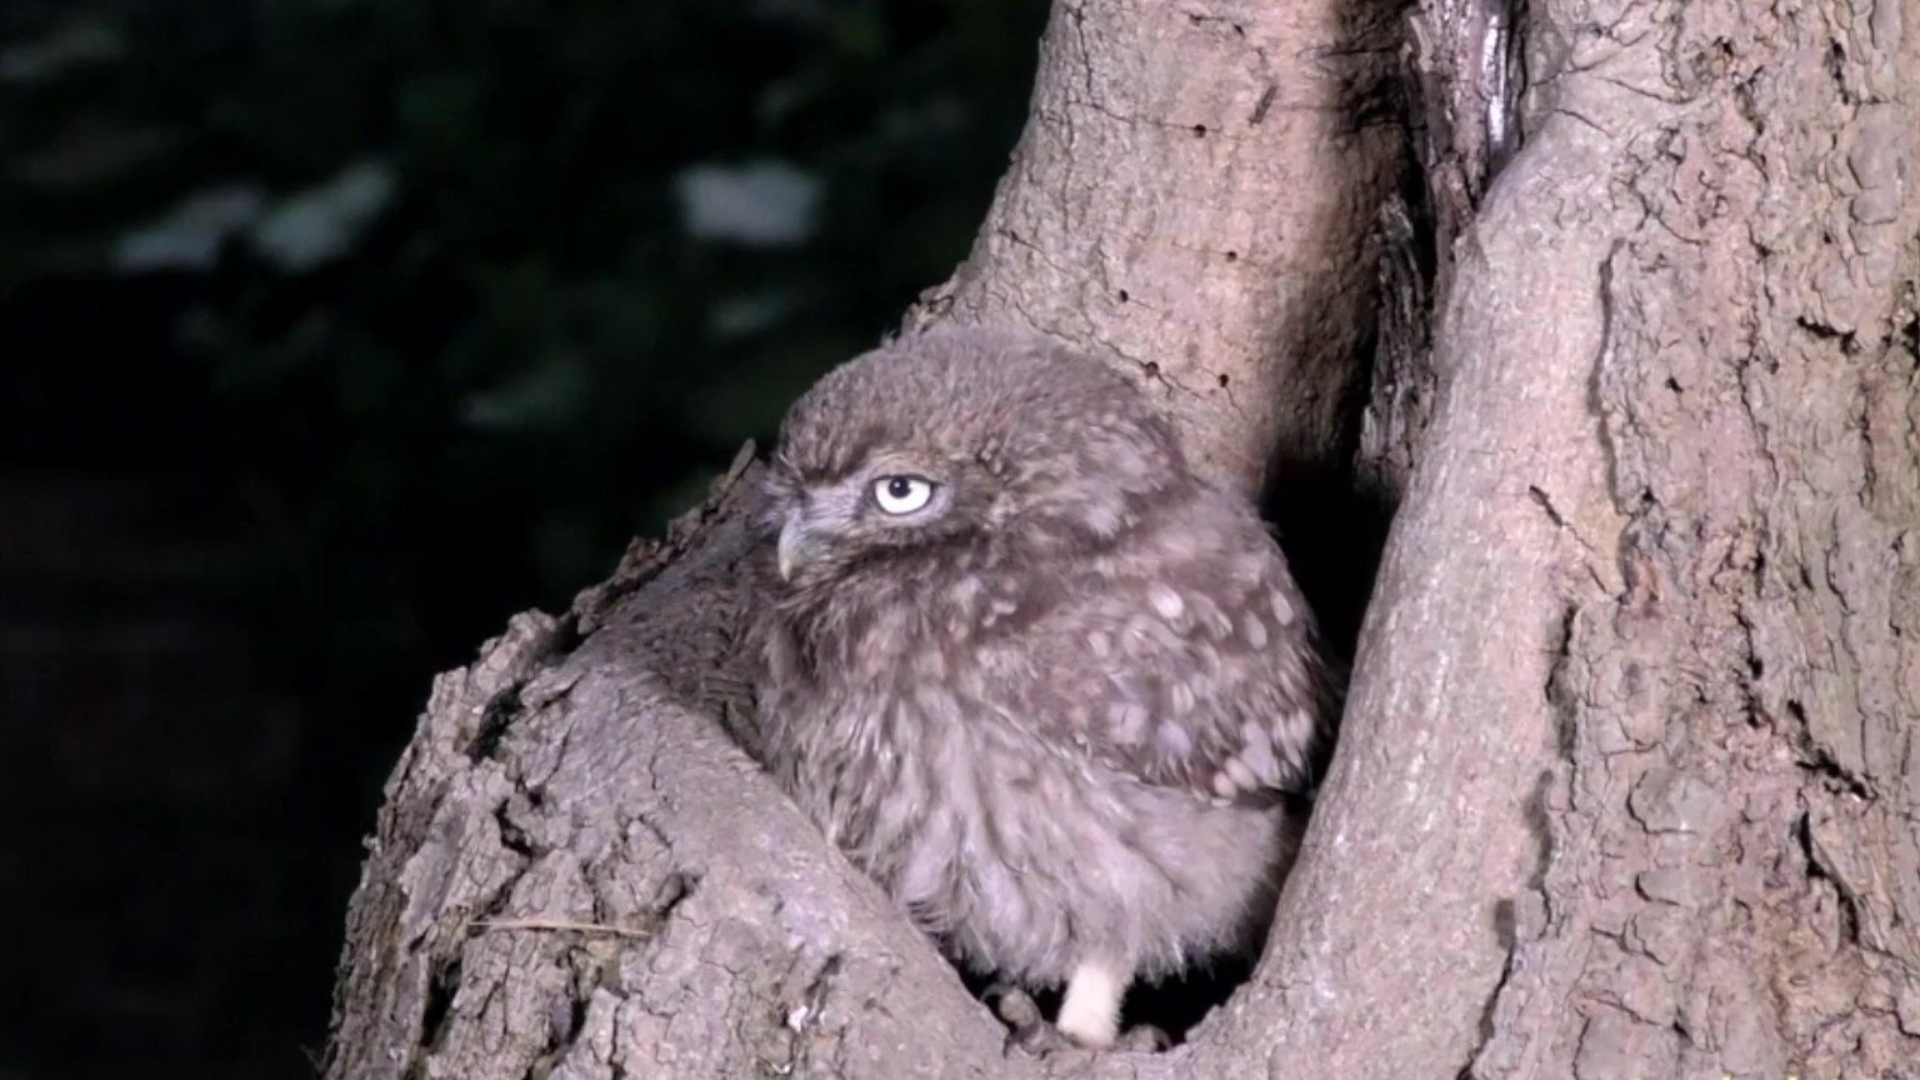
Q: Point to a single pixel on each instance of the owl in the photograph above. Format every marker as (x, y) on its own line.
(1040, 680)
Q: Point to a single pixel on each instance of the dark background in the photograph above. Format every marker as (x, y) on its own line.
(333, 332)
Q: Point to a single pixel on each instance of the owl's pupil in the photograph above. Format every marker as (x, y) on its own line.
(899, 487)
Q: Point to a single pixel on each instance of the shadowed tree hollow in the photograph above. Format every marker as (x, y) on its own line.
(1612, 308)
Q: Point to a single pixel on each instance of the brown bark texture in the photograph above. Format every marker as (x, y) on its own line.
(1191, 197)
(1628, 783)
(1705, 254)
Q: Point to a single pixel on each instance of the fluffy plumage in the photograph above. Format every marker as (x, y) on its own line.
(1028, 670)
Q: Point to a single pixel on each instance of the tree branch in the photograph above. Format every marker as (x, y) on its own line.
(1192, 196)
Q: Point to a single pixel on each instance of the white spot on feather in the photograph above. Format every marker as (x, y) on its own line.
(1174, 740)
(1103, 517)
(965, 590)
(1242, 776)
(1258, 753)
(1283, 608)
(1166, 601)
(1129, 721)
(1180, 543)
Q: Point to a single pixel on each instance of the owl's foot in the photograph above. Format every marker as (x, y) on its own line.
(1031, 1032)
(1089, 1015)
(1033, 1035)
(1143, 1039)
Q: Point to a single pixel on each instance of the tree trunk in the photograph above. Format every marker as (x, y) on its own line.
(1628, 782)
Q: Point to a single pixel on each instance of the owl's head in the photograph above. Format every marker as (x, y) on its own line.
(985, 442)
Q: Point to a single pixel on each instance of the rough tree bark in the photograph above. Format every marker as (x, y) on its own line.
(1629, 778)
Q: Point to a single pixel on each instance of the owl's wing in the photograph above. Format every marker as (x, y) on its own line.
(1186, 664)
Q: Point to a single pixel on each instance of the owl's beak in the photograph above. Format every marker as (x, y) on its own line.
(798, 543)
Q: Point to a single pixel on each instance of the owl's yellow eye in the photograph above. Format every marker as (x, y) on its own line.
(902, 494)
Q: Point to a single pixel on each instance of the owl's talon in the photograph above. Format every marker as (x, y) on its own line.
(1029, 1028)
(1014, 1006)
(1042, 1039)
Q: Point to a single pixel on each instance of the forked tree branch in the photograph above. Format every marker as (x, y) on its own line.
(1192, 195)
(1191, 198)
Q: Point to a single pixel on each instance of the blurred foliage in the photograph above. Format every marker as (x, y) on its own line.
(448, 239)
(446, 299)
(427, 276)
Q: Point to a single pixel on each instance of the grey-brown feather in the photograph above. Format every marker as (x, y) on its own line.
(1054, 718)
